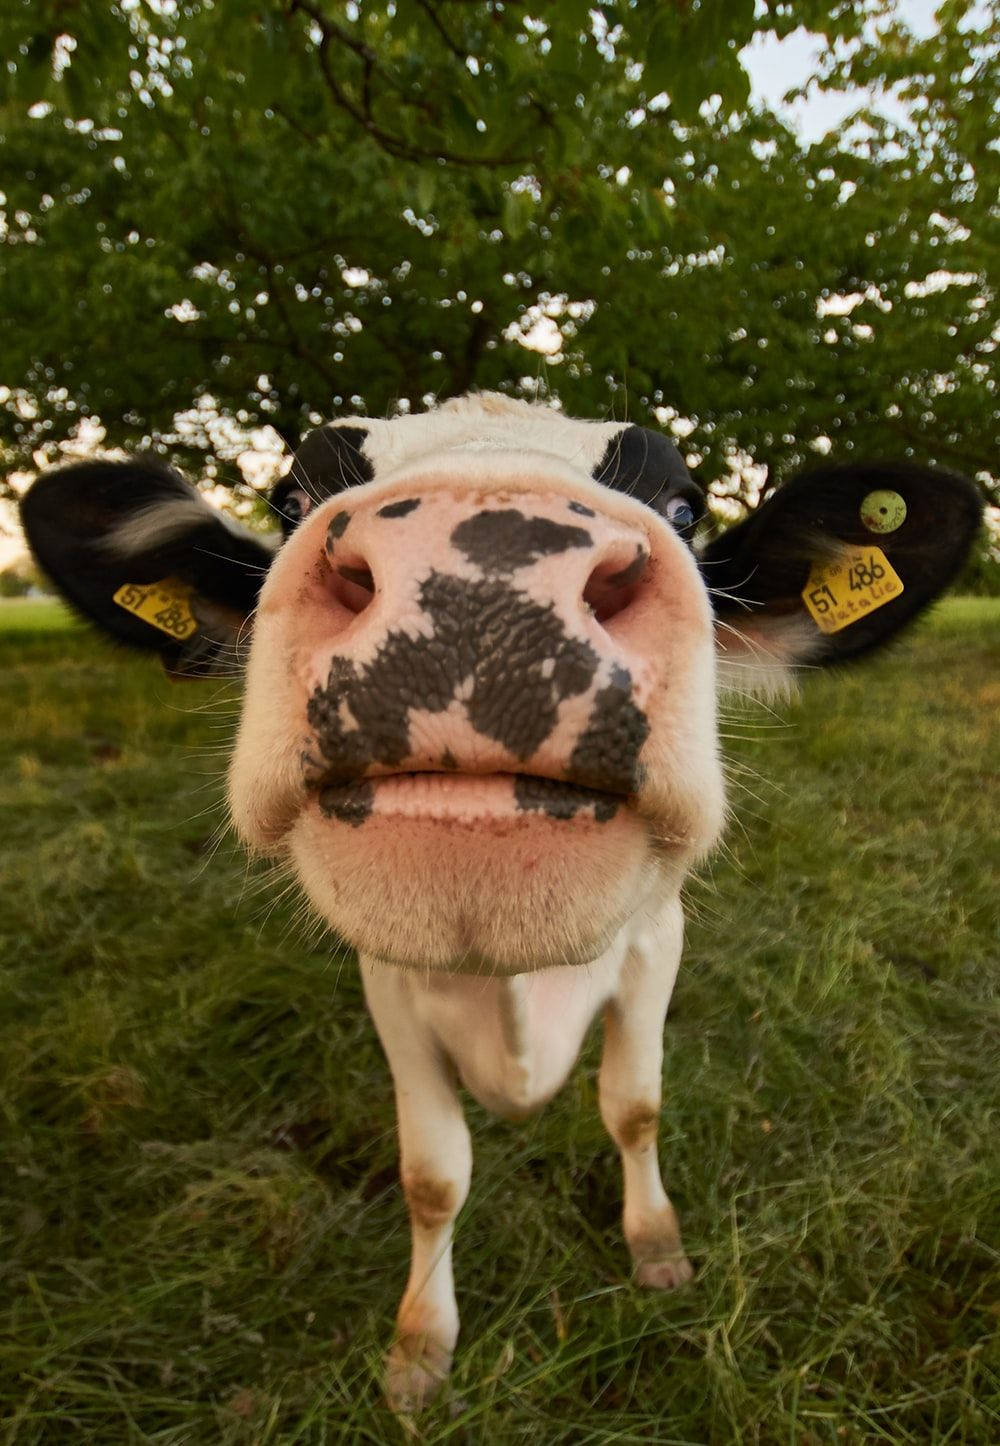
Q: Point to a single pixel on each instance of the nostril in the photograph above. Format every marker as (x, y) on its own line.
(351, 582)
(614, 583)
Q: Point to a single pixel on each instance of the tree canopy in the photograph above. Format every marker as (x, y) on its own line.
(299, 207)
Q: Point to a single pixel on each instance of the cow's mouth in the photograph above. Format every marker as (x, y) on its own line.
(468, 797)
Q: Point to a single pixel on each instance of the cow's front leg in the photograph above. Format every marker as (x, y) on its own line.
(630, 1086)
(435, 1166)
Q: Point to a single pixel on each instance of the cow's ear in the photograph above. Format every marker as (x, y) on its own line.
(833, 564)
(138, 551)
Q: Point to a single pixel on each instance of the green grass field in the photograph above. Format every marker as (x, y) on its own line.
(204, 1241)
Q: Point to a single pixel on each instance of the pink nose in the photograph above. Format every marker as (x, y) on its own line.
(489, 633)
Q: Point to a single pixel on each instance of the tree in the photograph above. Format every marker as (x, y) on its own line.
(300, 207)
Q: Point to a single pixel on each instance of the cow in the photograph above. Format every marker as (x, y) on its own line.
(482, 663)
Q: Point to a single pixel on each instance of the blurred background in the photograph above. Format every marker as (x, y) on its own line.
(770, 228)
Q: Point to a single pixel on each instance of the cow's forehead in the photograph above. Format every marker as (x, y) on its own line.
(486, 421)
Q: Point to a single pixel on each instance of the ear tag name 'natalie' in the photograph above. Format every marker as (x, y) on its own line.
(164, 605)
(883, 511)
(849, 587)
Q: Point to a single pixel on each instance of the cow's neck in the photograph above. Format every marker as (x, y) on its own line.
(512, 1041)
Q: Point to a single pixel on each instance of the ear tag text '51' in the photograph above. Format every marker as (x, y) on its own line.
(165, 605)
(847, 588)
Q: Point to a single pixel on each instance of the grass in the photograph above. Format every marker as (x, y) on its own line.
(35, 615)
(204, 1240)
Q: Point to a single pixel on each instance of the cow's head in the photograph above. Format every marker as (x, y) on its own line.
(482, 665)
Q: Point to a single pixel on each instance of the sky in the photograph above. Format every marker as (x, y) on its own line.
(776, 66)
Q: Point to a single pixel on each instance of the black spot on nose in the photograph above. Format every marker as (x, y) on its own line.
(338, 525)
(399, 509)
(520, 658)
(505, 539)
(561, 800)
(350, 802)
(607, 751)
(510, 657)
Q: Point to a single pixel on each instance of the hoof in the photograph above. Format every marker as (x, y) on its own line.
(666, 1274)
(415, 1369)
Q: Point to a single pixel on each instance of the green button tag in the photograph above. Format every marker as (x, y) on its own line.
(883, 511)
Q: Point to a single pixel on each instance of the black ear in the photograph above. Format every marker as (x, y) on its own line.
(137, 550)
(837, 561)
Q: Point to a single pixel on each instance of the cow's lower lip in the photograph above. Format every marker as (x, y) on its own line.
(467, 796)
(446, 872)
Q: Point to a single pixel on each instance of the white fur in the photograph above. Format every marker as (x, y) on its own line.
(162, 522)
(511, 1041)
(483, 421)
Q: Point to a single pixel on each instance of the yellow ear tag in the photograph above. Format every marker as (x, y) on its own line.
(849, 587)
(165, 605)
(883, 511)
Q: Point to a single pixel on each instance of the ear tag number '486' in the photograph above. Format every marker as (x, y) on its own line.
(165, 605)
(849, 587)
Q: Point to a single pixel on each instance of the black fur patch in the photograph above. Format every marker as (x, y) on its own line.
(328, 461)
(399, 509)
(331, 459)
(504, 540)
(561, 800)
(645, 465)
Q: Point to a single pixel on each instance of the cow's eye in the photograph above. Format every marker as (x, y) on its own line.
(297, 504)
(680, 513)
(292, 506)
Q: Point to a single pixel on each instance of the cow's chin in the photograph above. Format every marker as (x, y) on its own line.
(494, 894)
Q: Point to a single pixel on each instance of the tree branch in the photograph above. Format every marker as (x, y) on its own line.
(435, 20)
(362, 114)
